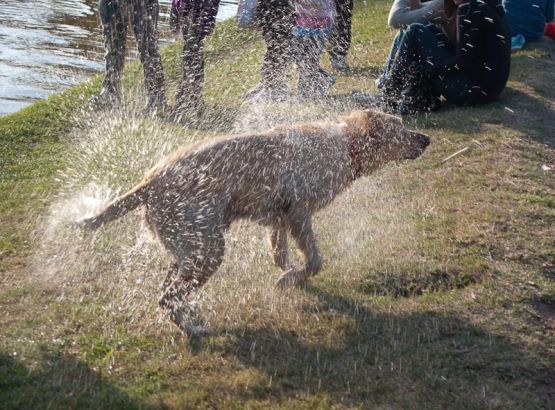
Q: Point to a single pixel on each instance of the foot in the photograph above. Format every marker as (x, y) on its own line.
(366, 99)
(197, 331)
(292, 277)
(186, 111)
(380, 82)
(105, 100)
(189, 321)
(261, 92)
(155, 106)
(339, 64)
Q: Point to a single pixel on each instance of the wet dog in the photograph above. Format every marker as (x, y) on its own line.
(277, 178)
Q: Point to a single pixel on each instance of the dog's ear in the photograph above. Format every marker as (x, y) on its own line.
(359, 122)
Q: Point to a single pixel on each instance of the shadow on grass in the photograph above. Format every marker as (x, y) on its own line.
(59, 381)
(424, 360)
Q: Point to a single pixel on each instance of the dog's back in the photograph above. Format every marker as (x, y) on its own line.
(256, 176)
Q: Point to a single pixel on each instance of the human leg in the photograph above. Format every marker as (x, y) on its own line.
(189, 94)
(423, 44)
(144, 16)
(380, 81)
(458, 89)
(314, 81)
(340, 39)
(113, 15)
(275, 19)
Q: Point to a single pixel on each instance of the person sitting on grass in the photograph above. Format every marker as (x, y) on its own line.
(527, 19)
(402, 14)
(469, 66)
(313, 25)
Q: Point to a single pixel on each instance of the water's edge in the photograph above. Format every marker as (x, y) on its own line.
(51, 45)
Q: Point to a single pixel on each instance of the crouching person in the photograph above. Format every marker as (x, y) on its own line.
(196, 19)
(115, 16)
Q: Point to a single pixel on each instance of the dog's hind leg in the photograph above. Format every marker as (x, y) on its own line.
(198, 259)
(171, 275)
(278, 243)
(300, 226)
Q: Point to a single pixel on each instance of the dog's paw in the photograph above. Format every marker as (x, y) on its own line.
(197, 330)
(292, 277)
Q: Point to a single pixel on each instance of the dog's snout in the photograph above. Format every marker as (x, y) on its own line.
(423, 139)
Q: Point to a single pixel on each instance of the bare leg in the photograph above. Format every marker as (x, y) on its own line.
(300, 226)
(278, 242)
(198, 259)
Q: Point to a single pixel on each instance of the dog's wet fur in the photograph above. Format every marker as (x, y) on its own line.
(277, 178)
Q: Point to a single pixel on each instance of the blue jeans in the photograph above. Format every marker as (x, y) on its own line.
(393, 52)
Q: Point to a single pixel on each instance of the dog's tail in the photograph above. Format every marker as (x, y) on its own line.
(119, 207)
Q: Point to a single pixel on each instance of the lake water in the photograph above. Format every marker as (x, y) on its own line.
(49, 45)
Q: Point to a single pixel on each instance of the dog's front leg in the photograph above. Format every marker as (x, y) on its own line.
(300, 225)
(278, 243)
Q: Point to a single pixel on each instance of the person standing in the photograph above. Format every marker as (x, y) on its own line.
(115, 16)
(340, 39)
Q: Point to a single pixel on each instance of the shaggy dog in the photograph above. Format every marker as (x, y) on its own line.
(277, 178)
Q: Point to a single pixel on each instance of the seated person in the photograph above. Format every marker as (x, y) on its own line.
(405, 12)
(528, 17)
(468, 65)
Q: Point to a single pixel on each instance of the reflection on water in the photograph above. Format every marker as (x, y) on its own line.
(48, 45)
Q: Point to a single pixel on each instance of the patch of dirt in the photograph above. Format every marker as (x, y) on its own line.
(403, 286)
(546, 310)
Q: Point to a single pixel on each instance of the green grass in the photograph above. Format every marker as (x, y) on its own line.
(437, 292)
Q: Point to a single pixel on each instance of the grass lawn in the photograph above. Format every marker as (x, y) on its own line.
(438, 287)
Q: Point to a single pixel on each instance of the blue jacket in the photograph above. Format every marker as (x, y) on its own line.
(528, 17)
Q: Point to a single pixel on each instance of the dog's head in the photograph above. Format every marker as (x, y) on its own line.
(377, 138)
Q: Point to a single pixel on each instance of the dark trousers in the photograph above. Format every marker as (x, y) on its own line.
(340, 39)
(115, 16)
(275, 19)
(307, 52)
(189, 93)
(427, 45)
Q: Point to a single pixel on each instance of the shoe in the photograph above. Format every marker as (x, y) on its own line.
(517, 42)
(260, 92)
(366, 99)
(156, 106)
(380, 82)
(187, 111)
(105, 100)
(328, 80)
(339, 64)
